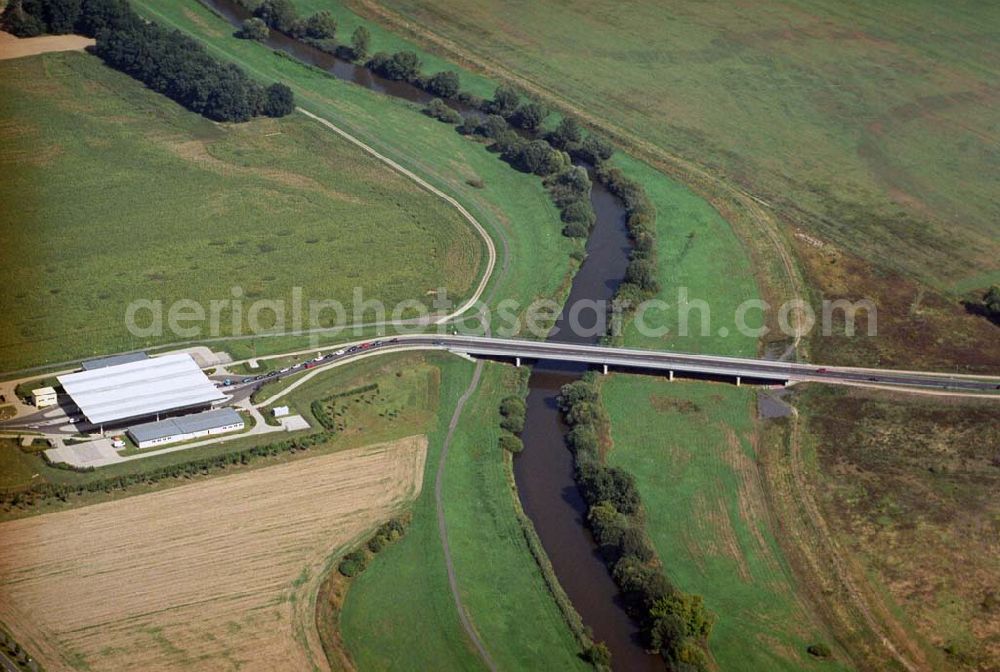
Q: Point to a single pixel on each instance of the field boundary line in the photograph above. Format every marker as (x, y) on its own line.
(490, 246)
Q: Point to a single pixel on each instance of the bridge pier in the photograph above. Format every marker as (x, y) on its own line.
(738, 381)
(517, 362)
(671, 375)
(605, 369)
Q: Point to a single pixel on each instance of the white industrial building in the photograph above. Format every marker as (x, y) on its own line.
(186, 427)
(140, 389)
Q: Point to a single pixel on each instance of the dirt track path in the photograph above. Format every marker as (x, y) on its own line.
(463, 615)
(19, 47)
(791, 287)
(490, 247)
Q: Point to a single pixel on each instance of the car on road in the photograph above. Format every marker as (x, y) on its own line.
(353, 348)
(286, 369)
(339, 352)
(822, 370)
(247, 380)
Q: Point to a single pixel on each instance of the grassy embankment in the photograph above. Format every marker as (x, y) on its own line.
(888, 171)
(116, 194)
(690, 446)
(501, 586)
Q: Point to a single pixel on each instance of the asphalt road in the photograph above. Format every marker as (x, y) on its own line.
(749, 370)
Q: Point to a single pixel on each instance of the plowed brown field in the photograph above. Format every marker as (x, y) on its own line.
(215, 575)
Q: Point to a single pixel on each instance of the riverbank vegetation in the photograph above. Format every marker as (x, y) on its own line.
(851, 176)
(674, 623)
(501, 586)
(167, 62)
(697, 462)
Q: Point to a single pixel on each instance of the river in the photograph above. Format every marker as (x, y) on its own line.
(544, 470)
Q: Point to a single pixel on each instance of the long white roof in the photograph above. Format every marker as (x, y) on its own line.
(140, 388)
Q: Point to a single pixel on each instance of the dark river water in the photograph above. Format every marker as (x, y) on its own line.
(544, 470)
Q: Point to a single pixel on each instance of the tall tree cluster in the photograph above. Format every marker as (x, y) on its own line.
(166, 61)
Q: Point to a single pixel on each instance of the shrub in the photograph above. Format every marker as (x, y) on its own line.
(512, 406)
(360, 41)
(576, 230)
(18, 22)
(443, 84)
(566, 135)
(511, 443)
(253, 28)
(595, 149)
(439, 110)
(320, 26)
(505, 101)
(353, 563)
(280, 15)
(819, 650)
(513, 424)
(278, 100)
(578, 211)
(401, 66)
(530, 115)
(599, 655)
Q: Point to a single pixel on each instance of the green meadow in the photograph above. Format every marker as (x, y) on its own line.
(690, 447)
(533, 257)
(115, 194)
(400, 613)
(870, 125)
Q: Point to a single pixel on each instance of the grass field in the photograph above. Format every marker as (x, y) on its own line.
(534, 256)
(691, 447)
(909, 486)
(697, 253)
(850, 119)
(220, 574)
(116, 194)
(501, 587)
(697, 247)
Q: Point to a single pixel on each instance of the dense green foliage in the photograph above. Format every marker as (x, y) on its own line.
(674, 623)
(357, 560)
(360, 42)
(166, 61)
(253, 28)
(438, 109)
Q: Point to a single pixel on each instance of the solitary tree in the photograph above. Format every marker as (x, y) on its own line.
(505, 101)
(444, 84)
(530, 115)
(360, 41)
(253, 28)
(321, 26)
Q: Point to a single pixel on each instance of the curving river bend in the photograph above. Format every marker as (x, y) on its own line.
(544, 470)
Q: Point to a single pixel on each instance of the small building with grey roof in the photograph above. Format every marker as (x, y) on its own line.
(186, 427)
